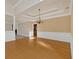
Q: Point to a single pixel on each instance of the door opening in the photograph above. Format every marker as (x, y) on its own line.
(35, 30)
(15, 31)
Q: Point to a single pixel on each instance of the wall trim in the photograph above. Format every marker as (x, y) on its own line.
(60, 36)
(9, 36)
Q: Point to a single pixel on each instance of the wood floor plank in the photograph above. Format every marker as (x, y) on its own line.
(41, 49)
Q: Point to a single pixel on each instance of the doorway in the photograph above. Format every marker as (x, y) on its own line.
(35, 30)
(16, 32)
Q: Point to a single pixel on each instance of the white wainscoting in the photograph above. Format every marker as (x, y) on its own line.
(25, 35)
(60, 36)
(9, 36)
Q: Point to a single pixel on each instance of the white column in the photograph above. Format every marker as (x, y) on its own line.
(13, 23)
(14, 26)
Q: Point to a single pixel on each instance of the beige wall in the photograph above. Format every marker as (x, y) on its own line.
(60, 24)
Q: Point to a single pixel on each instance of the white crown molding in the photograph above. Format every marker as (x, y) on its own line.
(54, 15)
(50, 17)
(26, 16)
(51, 14)
(42, 14)
(45, 12)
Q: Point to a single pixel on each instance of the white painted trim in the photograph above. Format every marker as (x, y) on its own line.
(9, 36)
(25, 35)
(58, 13)
(45, 18)
(60, 36)
(13, 23)
(55, 16)
(54, 12)
(50, 15)
(27, 16)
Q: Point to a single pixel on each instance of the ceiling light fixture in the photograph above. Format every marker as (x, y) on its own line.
(39, 21)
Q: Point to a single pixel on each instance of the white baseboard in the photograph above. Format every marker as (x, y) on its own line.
(24, 35)
(60, 36)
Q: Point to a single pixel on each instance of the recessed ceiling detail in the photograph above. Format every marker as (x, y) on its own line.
(26, 10)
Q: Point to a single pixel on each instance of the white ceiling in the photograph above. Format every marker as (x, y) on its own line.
(26, 10)
(47, 5)
(12, 2)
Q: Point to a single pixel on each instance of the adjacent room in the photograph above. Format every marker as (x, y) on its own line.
(38, 29)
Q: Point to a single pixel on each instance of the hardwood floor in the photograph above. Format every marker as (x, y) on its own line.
(25, 48)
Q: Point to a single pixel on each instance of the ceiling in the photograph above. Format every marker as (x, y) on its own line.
(26, 10)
